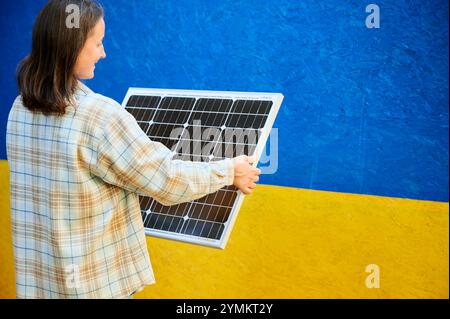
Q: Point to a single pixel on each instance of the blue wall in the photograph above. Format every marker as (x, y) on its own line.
(365, 110)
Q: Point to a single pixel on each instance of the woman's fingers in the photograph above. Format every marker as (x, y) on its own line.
(251, 159)
(246, 175)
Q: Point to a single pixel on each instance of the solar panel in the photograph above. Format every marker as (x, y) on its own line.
(201, 126)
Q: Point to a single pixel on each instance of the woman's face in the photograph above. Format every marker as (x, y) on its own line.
(91, 52)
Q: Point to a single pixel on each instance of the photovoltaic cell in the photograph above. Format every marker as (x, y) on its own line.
(201, 126)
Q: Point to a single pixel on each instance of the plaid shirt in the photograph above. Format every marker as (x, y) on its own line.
(75, 181)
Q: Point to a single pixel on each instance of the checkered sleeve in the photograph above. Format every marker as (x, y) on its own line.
(127, 158)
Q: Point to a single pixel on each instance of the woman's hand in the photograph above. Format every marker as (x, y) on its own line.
(245, 175)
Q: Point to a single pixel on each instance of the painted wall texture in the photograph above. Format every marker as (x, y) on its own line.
(282, 247)
(365, 110)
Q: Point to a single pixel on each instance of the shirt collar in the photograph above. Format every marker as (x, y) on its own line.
(83, 89)
(80, 91)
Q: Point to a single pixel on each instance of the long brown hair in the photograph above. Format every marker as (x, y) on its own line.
(45, 77)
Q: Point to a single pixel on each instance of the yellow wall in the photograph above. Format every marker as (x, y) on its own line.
(296, 243)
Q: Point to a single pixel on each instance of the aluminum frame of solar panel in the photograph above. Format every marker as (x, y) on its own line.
(275, 98)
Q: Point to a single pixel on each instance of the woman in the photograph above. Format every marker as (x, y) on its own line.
(78, 161)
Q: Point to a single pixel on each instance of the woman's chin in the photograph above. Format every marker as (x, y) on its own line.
(86, 76)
